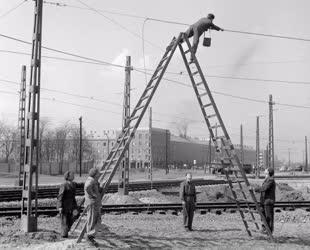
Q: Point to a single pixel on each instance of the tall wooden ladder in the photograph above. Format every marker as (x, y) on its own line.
(116, 155)
(221, 140)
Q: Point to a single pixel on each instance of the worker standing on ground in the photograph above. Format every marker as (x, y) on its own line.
(93, 201)
(198, 28)
(267, 198)
(66, 203)
(188, 198)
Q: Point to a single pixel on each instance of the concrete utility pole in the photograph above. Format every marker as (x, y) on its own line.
(29, 213)
(306, 154)
(167, 152)
(21, 124)
(241, 145)
(124, 176)
(150, 149)
(271, 135)
(257, 148)
(81, 145)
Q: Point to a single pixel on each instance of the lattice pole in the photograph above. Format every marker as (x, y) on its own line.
(30, 189)
(21, 124)
(124, 175)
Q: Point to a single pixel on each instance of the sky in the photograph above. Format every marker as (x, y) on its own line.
(102, 35)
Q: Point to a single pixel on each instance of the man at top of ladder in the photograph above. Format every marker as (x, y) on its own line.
(198, 28)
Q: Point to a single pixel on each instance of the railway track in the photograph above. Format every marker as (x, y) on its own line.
(15, 194)
(162, 208)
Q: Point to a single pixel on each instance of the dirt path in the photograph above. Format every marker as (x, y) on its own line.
(157, 231)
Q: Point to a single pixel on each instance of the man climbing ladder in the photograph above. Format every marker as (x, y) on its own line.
(211, 116)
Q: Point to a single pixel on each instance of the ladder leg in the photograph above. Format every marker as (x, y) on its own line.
(213, 118)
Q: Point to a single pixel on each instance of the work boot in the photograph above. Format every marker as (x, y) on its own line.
(92, 242)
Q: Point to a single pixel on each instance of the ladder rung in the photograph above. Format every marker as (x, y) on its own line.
(164, 59)
(154, 78)
(159, 68)
(125, 138)
(199, 83)
(106, 171)
(250, 220)
(196, 72)
(118, 149)
(203, 94)
(185, 52)
(207, 105)
(138, 108)
(148, 88)
(210, 116)
(143, 98)
(220, 137)
(111, 160)
(134, 118)
(215, 126)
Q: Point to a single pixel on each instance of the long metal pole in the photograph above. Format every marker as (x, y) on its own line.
(257, 148)
(271, 134)
(81, 145)
(150, 148)
(241, 145)
(210, 154)
(306, 154)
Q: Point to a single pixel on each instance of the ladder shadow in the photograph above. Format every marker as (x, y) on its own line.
(110, 240)
(293, 240)
(217, 230)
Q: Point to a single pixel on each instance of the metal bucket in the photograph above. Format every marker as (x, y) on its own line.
(207, 41)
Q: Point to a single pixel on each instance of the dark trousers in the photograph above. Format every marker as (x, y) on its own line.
(193, 32)
(188, 214)
(268, 212)
(66, 223)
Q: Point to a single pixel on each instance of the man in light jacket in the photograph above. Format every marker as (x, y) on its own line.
(93, 201)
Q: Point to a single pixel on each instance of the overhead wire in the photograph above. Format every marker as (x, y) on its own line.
(104, 63)
(12, 9)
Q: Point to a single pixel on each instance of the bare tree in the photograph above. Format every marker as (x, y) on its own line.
(48, 149)
(44, 123)
(8, 140)
(182, 127)
(61, 134)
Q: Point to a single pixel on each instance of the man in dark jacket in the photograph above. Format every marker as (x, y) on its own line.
(198, 28)
(66, 203)
(188, 198)
(268, 197)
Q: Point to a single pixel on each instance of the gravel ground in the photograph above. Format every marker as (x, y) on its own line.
(128, 231)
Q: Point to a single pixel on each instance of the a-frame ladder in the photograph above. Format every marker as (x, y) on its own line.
(209, 110)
